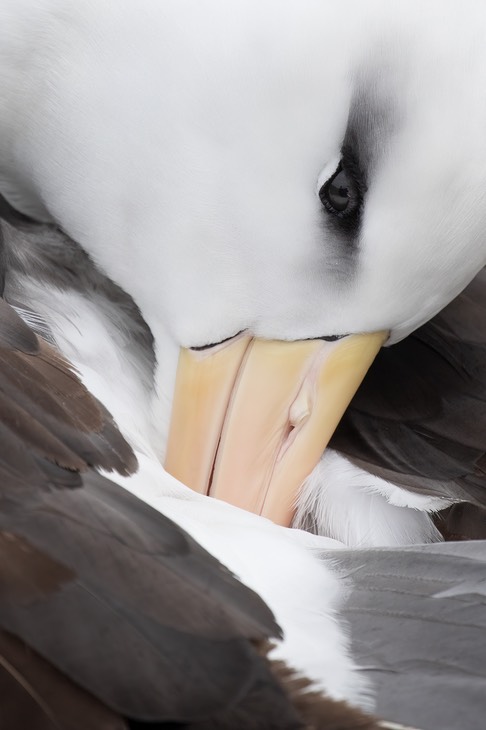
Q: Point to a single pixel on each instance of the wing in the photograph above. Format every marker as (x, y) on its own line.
(462, 521)
(47, 415)
(33, 694)
(418, 621)
(419, 419)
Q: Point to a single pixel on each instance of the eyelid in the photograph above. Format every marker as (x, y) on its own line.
(327, 171)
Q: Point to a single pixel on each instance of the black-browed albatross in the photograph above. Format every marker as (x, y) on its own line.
(69, 535)
(243, 189)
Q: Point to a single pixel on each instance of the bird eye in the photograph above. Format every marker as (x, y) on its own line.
(340, 194)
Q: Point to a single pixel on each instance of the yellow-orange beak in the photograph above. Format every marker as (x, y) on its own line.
(251, 418)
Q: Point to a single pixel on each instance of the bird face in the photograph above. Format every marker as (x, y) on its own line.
(282, 173)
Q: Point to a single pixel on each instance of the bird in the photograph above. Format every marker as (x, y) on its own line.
(76, 550)
(256, 198)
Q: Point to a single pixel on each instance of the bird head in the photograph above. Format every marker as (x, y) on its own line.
(282, 188)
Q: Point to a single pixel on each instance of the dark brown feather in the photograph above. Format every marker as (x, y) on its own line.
(35, 696)
(318, 711)
(44, 404)
(14, 333)
(36, 436)
(294, 706)
(462, 521)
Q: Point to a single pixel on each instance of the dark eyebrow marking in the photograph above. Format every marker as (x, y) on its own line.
(373, 118)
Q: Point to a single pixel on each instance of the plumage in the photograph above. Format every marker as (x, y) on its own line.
(463, 521)
(181, 178)
(47, 414)
(417, 617)
(34, 694)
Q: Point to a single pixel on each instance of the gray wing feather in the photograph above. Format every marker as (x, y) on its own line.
(418, 625)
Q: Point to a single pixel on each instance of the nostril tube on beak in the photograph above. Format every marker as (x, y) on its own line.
(300, 409)
(299, 413)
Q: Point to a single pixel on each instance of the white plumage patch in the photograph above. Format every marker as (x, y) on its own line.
(341, 501)
(284, 566)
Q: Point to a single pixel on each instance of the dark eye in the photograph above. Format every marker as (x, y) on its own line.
(340, 194)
